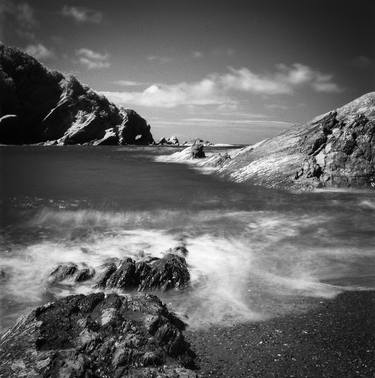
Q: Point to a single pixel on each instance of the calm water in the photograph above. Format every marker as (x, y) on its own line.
(253, 253)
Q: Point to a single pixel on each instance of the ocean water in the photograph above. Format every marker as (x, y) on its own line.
(253, 253)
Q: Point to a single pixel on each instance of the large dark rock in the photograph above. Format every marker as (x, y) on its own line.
(336, 149)
(38, 105)
(197, 151)
(71, 272)
(97, 336)
(169, 272)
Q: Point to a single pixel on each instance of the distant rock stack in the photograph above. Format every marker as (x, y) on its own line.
(42, 106)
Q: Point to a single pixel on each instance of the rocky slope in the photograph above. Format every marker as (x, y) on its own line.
(42, 106)
(334, 150)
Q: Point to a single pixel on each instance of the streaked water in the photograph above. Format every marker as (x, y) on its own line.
(253, 253)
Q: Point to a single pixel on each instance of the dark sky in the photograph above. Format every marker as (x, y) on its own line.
(228, 71)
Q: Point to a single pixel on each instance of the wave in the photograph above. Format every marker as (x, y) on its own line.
(242, 263)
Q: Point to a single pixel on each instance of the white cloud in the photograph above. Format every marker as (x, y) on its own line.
(92, 59)
(39, 51)
(283, 81)
(129, 83)
(203, 92)
(82, 14)
(218, 89)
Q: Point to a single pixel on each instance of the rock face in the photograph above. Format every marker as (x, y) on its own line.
(97, 336)
(42, 106)
(336, 149)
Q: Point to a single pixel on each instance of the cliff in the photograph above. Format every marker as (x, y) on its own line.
(42, 106)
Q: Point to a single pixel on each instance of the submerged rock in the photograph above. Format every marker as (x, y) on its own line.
(42, 106)
(97, 336)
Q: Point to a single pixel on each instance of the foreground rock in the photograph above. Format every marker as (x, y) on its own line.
(42, 106)
(97, 336)
(335, 150)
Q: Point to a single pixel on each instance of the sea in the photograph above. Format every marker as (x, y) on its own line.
(254, 253)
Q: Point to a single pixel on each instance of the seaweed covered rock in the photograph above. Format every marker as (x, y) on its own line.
(97, 336)
(42, 106)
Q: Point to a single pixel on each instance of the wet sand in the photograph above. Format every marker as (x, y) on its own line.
(336, 338)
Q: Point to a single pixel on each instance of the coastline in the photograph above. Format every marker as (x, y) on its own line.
(335, 338)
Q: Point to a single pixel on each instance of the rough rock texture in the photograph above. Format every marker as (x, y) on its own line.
(336, 149)
(197, 151)
(42, 106)
(97, 336)
(71, 271)
(171, 140)
(168, 272)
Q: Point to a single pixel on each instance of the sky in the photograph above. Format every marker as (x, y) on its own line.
(234, 71)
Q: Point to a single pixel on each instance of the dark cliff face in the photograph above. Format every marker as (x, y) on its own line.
(38, 105)
(336, 149)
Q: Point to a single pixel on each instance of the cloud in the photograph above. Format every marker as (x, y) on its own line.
(159, 59)
(82, 14)
(92, 59)
(129, 83)
(219, 89)
(283, 81)
(203, 92)
(39, 51)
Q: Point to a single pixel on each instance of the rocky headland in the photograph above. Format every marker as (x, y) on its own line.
(334, 150)
(38, 105)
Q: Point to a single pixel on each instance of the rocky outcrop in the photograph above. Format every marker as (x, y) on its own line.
(97, 336)
(71, 272)
(170, 141)
(42, 106)
(334, 150)
(197, 151)
(153, 273)
(168, 272)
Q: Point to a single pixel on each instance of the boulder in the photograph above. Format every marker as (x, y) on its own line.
(71, 272)
(166, 273)
(97, 336)
(169, 272)
(197, 151)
